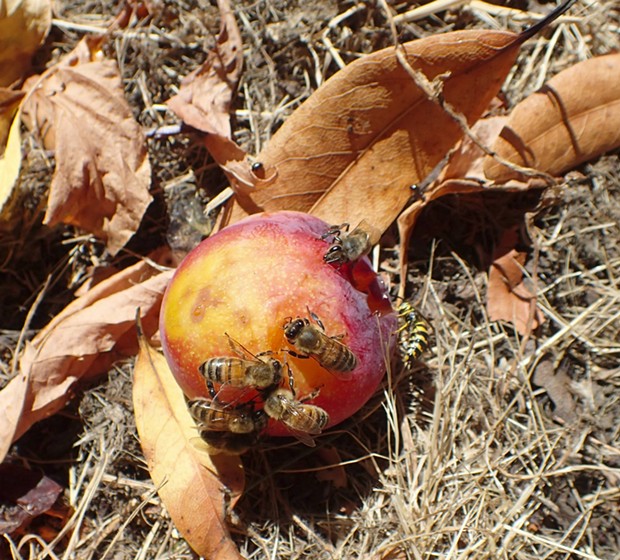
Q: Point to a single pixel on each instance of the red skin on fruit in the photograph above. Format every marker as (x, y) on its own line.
(248, 280)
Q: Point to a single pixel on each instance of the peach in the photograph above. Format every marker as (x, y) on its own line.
(248, 280)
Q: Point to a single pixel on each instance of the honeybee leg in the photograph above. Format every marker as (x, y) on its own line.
(291, 382)
(336, 231)
(230, 514)
(316, 319)
(296, 355)
(311, 396)
(212, 391)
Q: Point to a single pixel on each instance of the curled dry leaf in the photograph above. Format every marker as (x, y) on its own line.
(24, 495)
(557, 384)
(24, 24)
(575, 117)
(10, 147)
(508, 298)
(465, 162)
(462, 174)
(336, 473)
(407, 220)
(196, 488)
(102, 177)
(82, 341)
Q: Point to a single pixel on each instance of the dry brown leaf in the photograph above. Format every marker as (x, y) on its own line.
(102, 177)
(9, 105)
(81, 342)
(508, 298)
(238, 167)
(10, 147)
(204, 99)
(196, 488)
(12, 400)
(24, 495)
(357, 145)
(24, 24)
(575, 117)
(336, 473)
(204, 102)
(466, 160)
(557, 384)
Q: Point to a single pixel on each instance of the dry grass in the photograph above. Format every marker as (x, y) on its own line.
(463, 456)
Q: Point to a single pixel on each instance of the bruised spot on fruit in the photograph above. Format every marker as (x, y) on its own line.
(203, 299)
(267, 230)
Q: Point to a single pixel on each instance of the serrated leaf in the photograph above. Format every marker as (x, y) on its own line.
(508, 297)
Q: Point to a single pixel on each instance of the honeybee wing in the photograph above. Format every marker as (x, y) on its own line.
(303, 437)
(200, 409)
(298, 415)
(373, 233)
(239, 349)
(240, 395)
(346, 375)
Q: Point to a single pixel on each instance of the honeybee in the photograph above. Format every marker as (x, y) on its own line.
(214, 417)
(228, 442)
(231, 430)
(303, 420)
(348, 247)
(311, 341)
(412, 333)
(247, 370)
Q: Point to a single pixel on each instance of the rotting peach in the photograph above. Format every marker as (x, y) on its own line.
(248, 280)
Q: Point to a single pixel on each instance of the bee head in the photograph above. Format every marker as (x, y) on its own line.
(293, 327)
(260, 420)
(334, 253)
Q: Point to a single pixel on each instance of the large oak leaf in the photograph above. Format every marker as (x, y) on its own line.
(357, 145)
